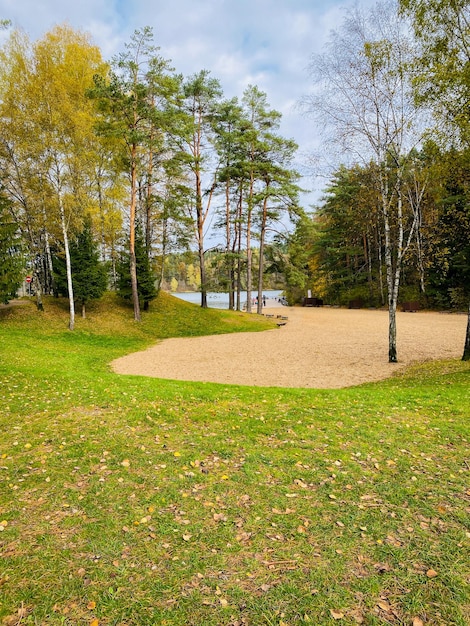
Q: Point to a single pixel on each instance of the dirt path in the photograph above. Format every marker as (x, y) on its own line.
(318, 348)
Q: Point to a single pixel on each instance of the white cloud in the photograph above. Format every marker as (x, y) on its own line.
(263, 42)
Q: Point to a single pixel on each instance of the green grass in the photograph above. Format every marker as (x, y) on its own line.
(135, 501)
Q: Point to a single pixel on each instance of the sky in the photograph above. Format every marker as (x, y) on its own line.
(267, 43)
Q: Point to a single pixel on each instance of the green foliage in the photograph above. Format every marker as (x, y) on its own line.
(449, 267)
(155, 501)
(342, 248)
(442, 29)
(88, 273)
(11, 259)
(145, 276)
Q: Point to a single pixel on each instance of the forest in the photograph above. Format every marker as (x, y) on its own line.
(114, 172)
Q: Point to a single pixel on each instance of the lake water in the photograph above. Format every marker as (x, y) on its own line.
(220, 300)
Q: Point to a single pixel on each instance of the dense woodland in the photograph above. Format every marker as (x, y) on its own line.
(114, 172)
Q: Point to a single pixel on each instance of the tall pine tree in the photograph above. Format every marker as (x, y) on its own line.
(88, 273)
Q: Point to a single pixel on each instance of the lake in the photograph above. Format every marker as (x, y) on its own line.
(217, 300)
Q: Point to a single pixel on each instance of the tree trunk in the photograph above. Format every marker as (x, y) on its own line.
(466, 350)
(202, 267)
(249, 279)
(49, 281)
(38, 290)
(380, 264)
(249, 260)
(133, 265)
(200, 218)
(238, 248)
(368, 258)
(261, 255)
(392, 296)
(68, 266)
(392, 333)
(228, 237)
(83, 310)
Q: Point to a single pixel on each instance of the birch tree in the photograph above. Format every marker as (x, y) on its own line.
(362, 94)
(48, 126)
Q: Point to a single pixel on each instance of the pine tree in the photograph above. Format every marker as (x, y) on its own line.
(88, 273)
(11, 262)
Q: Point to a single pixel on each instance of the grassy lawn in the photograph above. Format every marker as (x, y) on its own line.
(134, 501)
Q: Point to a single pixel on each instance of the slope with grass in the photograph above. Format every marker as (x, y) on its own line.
(127, 500)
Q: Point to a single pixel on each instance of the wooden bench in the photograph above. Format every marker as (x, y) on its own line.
(410, 307)
(312, 302)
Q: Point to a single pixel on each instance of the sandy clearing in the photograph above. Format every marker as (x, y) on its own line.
(317, 348)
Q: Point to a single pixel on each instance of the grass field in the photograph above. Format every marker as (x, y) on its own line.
(135, 501)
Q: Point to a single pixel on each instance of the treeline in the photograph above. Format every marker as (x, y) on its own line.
(342, 248)
(133, 162)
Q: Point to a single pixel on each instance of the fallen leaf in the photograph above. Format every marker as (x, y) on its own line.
(384, 605)
(95, 622)
(187, 537)
(431, 573)
(336, 614)
(417, 621)
(91, 605)
(125, 463)
(357, 616)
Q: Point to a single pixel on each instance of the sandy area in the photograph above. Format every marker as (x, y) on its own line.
(318, 347)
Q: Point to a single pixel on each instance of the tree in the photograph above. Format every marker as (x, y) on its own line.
(229, 126)
(278, 193)
(11, 260)
(364, 96)
(48, 128)
(453, 240)
(443, 29)
(198, 101)
(292, 257)
(89, 274)
(145, 277)
(127, 104)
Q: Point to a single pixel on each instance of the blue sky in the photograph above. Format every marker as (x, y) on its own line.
(267, 43)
